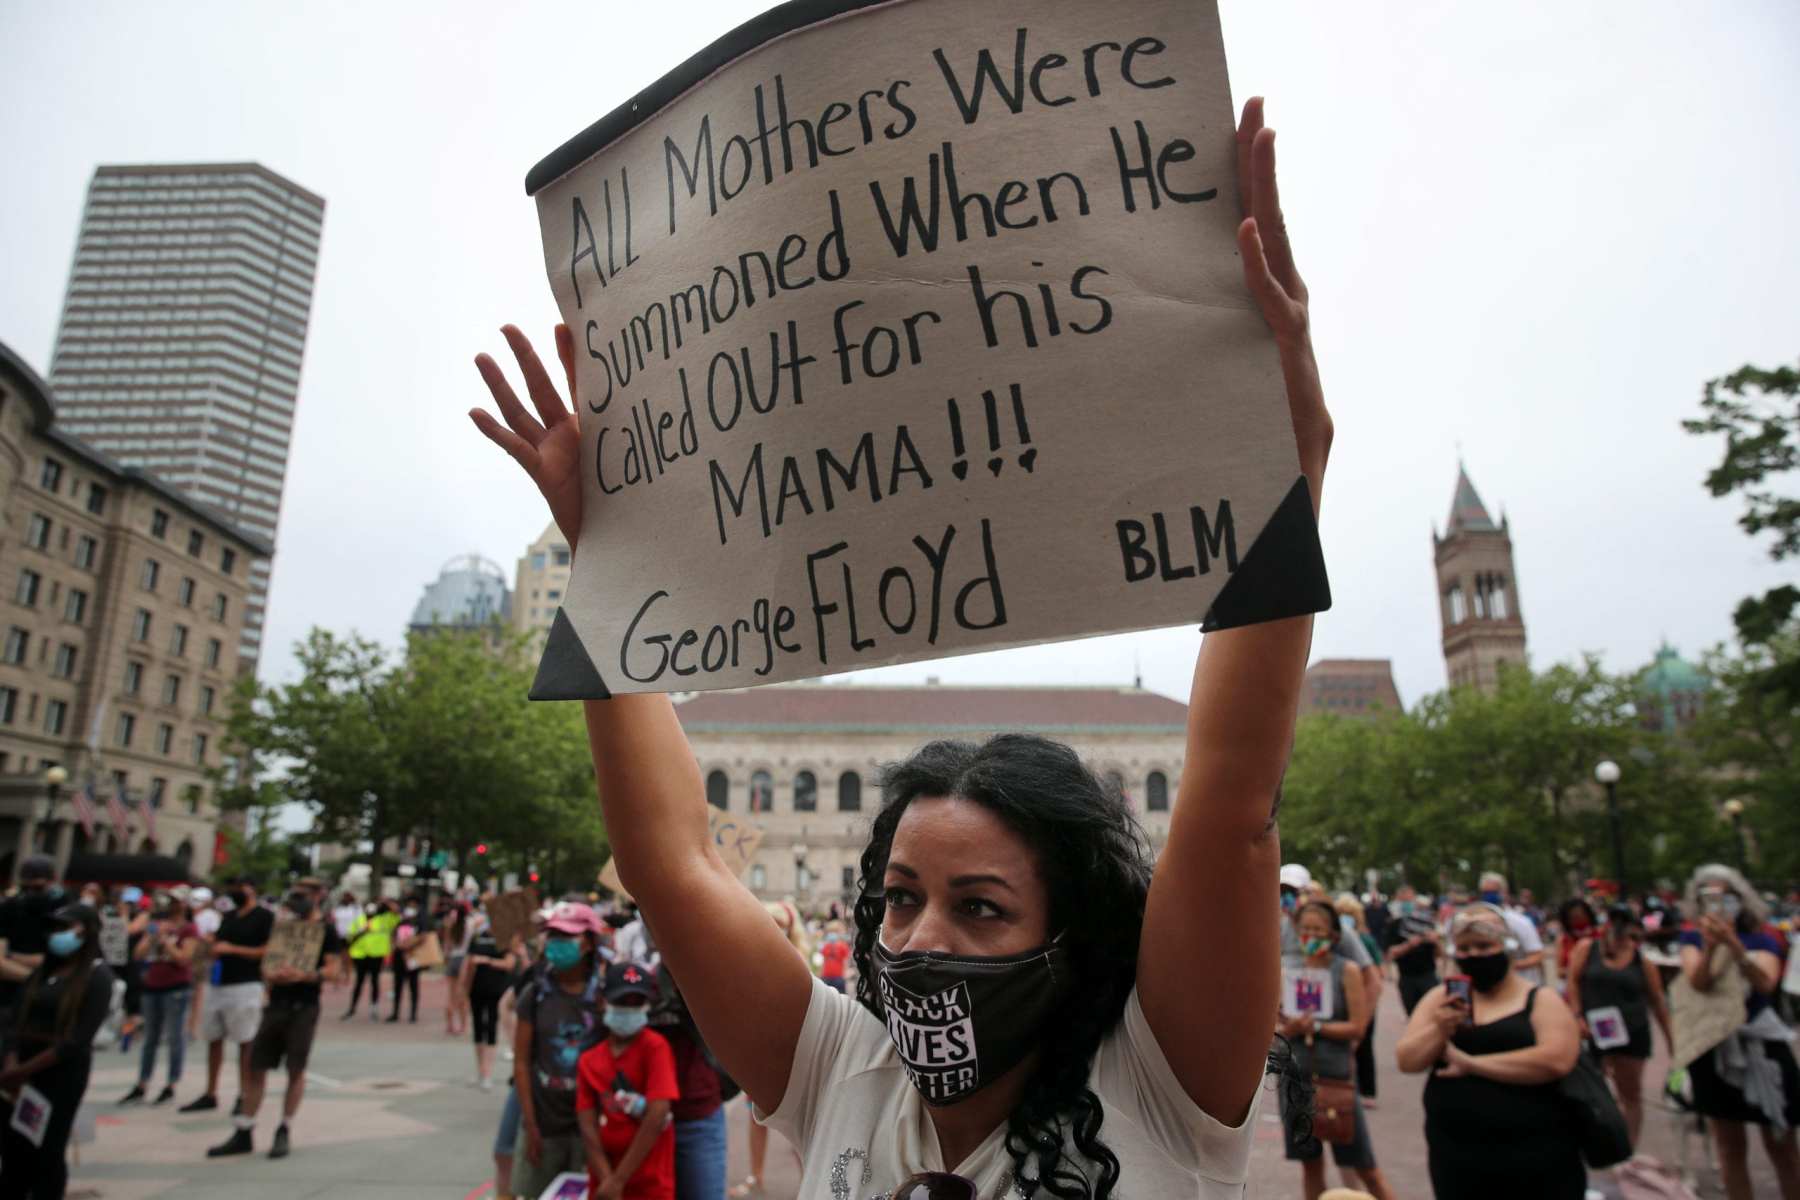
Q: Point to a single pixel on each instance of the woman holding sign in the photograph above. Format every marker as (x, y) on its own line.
(1325, 1024)
(1036, 1002)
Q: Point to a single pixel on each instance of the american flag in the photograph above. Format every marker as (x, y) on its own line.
(115, 812)
(83, 801)
(148, 805)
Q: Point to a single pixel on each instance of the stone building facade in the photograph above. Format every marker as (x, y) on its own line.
(803, 760)
(541, 582)
(124, 605)
(1350, 687)
(1478, 592)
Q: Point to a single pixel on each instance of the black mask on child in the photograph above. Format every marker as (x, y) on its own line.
(1485, 971)
(960, 1022)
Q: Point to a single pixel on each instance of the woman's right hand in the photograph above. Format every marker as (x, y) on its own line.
(1449, 1016)
(548, 446)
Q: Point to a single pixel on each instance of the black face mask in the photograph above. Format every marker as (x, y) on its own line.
(959, 1022)
(1485, 971)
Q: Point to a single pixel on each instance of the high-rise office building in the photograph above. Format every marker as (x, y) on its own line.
(182, 335)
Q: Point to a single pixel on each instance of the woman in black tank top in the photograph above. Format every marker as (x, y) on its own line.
(1495, 1121)
(1614, 995)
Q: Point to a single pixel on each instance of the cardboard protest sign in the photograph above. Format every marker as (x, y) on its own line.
(1307, 992)
(294, 945)
(428, 953)
(510, 915)
(910, 329)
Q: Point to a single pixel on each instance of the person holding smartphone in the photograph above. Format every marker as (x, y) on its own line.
(1496, 1124)
(1614, 995)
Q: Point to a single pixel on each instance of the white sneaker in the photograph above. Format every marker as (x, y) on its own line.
(507, 1054)
(487, 1085)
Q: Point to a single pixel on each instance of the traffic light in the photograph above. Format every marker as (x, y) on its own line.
(534, 877)
(481, 848)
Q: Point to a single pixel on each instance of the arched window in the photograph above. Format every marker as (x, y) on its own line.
(718, 790)
(849, 792)
(762, 792)
(806, 792)
(1156, 792)
(759, 877)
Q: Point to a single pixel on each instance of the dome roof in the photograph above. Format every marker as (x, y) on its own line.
(1669, 674)
(470, 590)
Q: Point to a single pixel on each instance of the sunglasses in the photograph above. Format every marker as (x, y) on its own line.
(934, 1185)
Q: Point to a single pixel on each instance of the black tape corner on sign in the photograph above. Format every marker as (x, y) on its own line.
(777, 22)
(1283, 575)
(566, 672)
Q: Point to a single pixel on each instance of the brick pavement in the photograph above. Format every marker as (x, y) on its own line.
(390, 1114)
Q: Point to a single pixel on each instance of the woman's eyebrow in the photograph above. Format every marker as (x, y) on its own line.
(971, 880)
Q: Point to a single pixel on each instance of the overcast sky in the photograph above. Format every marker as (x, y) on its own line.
(1532, 230)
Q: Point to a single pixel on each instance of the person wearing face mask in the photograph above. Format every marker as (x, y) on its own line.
(1412, 946)
(558, 1020)
(371, 941)
(25, 927)
(165, 954)
(415, 923)
(234, 1002)
(1496, 1123)
(1296, 886)
(1614, 994)
(1737, 1051)
(1324, 1047)
(1523, 942)
(625, 1091)
(1040, 999)
(50, 1050)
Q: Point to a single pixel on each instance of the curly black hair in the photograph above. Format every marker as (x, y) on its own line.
(1096, 863)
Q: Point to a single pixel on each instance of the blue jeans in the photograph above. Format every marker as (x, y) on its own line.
(700, 1157)
(165, 1016)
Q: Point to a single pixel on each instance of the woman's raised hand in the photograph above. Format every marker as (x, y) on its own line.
(1280, 293)
(549, 445)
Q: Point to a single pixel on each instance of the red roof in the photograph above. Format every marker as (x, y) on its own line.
(933, 707)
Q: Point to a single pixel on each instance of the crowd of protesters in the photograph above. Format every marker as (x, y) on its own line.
(1503, 1001)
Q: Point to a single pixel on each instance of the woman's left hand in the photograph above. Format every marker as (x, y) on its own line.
(1280, 293)
(1720, 933)
(1458, 1063)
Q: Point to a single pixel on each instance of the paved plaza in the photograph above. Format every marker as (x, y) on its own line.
(391, 1114)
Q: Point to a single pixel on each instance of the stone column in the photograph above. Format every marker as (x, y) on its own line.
(65, 845)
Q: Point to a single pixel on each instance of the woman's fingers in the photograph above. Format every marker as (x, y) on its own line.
(565, 350)
(537, 380)
(522, 451)
(1266, 208)
(1246, 135)
(1276, 308)
(522, 422)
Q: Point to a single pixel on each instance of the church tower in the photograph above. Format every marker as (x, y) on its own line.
(1478, 592)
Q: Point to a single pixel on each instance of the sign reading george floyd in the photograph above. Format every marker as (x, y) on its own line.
(913, 328)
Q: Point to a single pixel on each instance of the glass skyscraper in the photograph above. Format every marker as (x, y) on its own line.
(183, 331)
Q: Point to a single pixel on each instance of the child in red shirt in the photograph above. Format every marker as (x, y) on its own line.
(624, 1089)
(833, 955)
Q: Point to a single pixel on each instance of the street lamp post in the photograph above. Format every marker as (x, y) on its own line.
(1734, 808)
(1608, 774)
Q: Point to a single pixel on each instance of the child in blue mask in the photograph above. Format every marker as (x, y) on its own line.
(625, 1088)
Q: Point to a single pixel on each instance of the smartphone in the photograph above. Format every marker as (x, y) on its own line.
(1458, 988)
(1713, 904)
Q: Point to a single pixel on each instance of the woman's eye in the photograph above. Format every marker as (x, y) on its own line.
(976, 906)
(898, 898)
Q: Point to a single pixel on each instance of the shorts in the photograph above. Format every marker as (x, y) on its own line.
(453, 967)
(1357, 1154)
(286, 1032)
(231, 1012)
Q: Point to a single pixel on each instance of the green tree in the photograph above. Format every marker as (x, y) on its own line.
(1758, 412)
(1748, 734)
